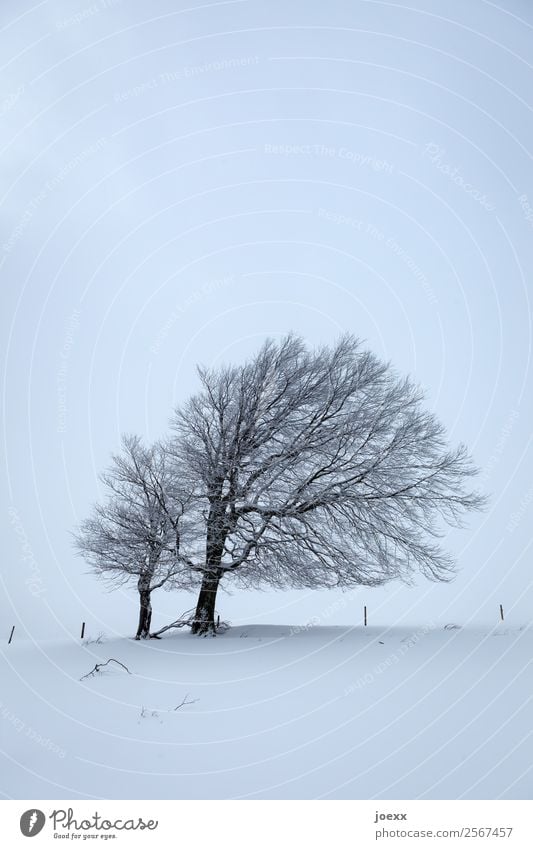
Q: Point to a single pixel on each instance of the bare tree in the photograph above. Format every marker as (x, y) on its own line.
(137, 533)
(317, 469)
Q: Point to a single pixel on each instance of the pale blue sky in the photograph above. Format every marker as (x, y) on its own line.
(179, 184)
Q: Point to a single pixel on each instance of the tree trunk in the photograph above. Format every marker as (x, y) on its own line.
(204, 617)
(145, 615)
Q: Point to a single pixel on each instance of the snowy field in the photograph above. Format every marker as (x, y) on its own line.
(273, 712)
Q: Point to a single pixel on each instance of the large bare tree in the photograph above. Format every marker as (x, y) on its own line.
(137, 532)
(319, 469)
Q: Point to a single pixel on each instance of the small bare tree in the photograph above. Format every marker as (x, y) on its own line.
(318, 469)
(136, 534)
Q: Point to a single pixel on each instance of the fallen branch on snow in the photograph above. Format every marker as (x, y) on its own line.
(186, 701)
(99, 666)
(188, 618)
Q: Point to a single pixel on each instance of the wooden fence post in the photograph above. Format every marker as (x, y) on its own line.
(365, 615)
(11, 634)
(82, 630)
(501, 612)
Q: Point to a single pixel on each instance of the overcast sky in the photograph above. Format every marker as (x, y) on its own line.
(179, 184)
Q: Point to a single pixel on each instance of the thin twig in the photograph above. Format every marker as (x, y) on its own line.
(99, 666)
(186, 702)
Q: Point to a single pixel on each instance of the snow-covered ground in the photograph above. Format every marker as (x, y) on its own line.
(273, 712)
